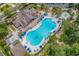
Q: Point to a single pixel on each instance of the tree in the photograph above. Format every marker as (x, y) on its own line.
(77, 6)
(75, 48)
(71, 5)
(70, 33)
(56, 10)
(3, 33)
(42, 6)
(3, 30)
(77, 20)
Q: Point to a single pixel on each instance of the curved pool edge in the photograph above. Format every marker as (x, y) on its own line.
(43, 41)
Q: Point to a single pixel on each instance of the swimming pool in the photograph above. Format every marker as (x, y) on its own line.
(42, 32)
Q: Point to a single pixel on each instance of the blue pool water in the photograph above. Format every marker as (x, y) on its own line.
(35, 37)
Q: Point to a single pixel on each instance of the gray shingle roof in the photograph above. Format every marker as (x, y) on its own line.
(18, 50)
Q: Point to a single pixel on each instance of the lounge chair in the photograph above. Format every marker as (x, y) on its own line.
(20, 37)
(40, 46)
(25, 46)
(29, 49)
(46, 14)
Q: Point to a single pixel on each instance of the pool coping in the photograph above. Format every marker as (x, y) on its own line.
(43, 42)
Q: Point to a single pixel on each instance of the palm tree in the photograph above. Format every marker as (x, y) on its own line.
(56, 10)
(77, 6)
(3, 30)
(42, 6)
(71, 5)
(77, 21)
(3, 33)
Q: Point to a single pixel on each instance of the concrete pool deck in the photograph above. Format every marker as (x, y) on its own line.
(35, 49)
